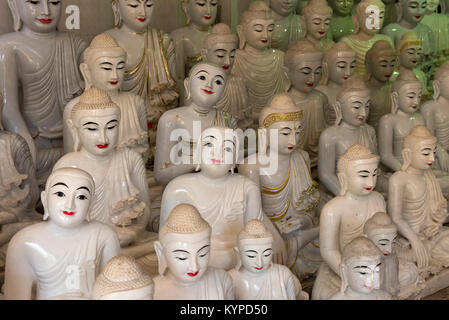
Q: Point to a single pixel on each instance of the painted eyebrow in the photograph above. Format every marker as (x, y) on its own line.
(363, 171)
(60, 184)
(269, 249)
(201, 71)
(111, 121)
(85, 188)
(256, 25)
(220, 50)
(361, 267)
(87, 123)
(207, 245)
(251, 251)
(182, 251)
(230, 142)
(210, 137)
(108, 63)
(220, 77)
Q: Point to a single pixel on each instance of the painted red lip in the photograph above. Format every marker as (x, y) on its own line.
(417, 17)
(258, 268)
(345, 78)
(102, 146)
(429, 164)
(369, 287)
(207, 17)
(68, 213)
(309, 84)
(190, 274)
(225, 67)
(321, 32)
(113, 82)
(414, 61)
(414, 107)
(387, 76)
(142, 19)
(368, 189)
(386, 254)
(264, 41)
(216, 161)
(360, 119)
(45, 20)
(208, 91)
(290, 148)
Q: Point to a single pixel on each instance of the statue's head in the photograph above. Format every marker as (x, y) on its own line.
(441, 82)
(255, 247)
(432, 6)
(201, 13)
(318, 15)
(353, 102)
(283, 7)
(256, 26)
(94, 123)
(220, 47)
(338, 64)
(419, 148)
(104, 64)
(39, 16)
(357, 171)
(408, 49)
(412, 11)
(135, 14)
(381, 230)
(360, 266)
(304, 64)
(342, 8)
(67, 197)
(380, 61)
(406, 93)
(282, 114)
(184, 245)
(205, 84)
(369, 17)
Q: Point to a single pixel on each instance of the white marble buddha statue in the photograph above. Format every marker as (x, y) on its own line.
(121, 197)
(220, 47)
(342, 218)
(183, 251)
(62, 256)
(438, 22)
(255, 276)
(39, 76)
(290, 196)
(227, 201)
(341, 23)
(368, 19)
(289, 26)
(304, 64)
(103, 67)
(318, 16)
(360, 272)
(261, 67)
(338, 66)
(123, 279)
(352, 108)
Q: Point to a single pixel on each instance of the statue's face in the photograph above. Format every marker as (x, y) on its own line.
(136, 14)
(98, 130)
(305, 72)
(41, 16)
(289, 134)
(371, 21)
(256, 254)
(385, 240)
(283, 7)
(342, 8)
(206, 85)
(223, 54)
(202, 12)
(218, 150)
(258, 33)
(413, 11)
(355, 107)
(410, 97)
(423, 155)
(187, 255)
(318, 25)
(382, 67)
(107, 72)
(342, 66)
(362, 177)
(432, 5)
(410, 56)
(363, 274)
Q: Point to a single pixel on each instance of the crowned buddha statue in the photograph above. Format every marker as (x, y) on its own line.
(290, 196)
(103, 67)
(184, 249)
(121, 197)
(360, 267)
(318, 16)
(342, 218)
(39, 76)
(256, 277)
(341, 23)
(438, 23)
(338, 66)
(304, 64)
(62, 256)
(260, 66)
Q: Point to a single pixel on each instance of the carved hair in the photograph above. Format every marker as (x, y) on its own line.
(416, 135)
(254, 229)
(354, 153)
(407, 39)
(298, 48)
(280, 108)
(183, 219)
(100, 43)
(353, 84)
(317, 7)
(94, 99)
(220, 33)
(256, 10)
(331, 54)
(379, 223)
(380, 48)
(360, 247)
(360, 11)
(403, 79)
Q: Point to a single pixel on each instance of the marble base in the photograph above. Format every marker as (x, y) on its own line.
(435, 284)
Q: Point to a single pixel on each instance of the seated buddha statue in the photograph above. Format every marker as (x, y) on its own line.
(318, 15)
(341, 23)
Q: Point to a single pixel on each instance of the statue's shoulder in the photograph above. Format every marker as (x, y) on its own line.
(330, 134)
(70, 160)
(29, 234)
(12, 41)
(99, 228)
(387, 119)
(398, 178)
(173, 116)
(377, 197)
(179, 34)
(334, 207)
(219, 274)
(430, 106)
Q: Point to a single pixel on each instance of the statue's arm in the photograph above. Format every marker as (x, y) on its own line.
(170, 54)
(329, 238)
(326, 163)
(139, 178)
(427, 113)
(386, 144)
(111, 248)
(172, 196)
(250, 171)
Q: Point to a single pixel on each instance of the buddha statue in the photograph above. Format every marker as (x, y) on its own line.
(289, 26)
(342, 218)
(103, 67)
(255, 276)
(318, 15)
(123, 279)
(360, 272)
(338, 66)
(220, 47)
(304, 64)
(121, 197)
(290, 196)
(381, 61)
(368, 23)
(260, 66)
(183, 251)
(62, 256)
(341, 23)
(353, 108)
(438, 22)
(227, 201)
(391, 14)
(39, 68)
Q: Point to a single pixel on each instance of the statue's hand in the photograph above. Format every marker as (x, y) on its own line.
(421, 254)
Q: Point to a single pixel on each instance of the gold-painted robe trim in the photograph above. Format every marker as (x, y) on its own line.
(279, 189)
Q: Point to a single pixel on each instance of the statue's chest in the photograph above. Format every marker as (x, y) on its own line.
(355, 218)
(281, 177)
(134, 49)
(415, 189)
(346, 139)
(442, 117)
(33, 56)
(403, 125)
(193, 43)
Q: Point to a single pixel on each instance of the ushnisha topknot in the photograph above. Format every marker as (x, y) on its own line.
(403, 79)
(220, 33)
(379, 223)
(256, 10)
(184, 219)
(317, 7)
(254, 229)
(354, 83)
(360, 247)
(297, 48)
(100, 43)
(354, 153)
(416, 135)
(281, 107)
(94, 99)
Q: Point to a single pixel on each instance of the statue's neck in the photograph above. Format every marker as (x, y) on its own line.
(351, 196)
(277, 17)
(201, 111)
(253, 51)
(364, 36)
(373, 82)
(313, 40)
(299, 94)
(358, 295)
(407, 24)
(349, 126)
(128, 30)
(37, 35)
(411, 170)
(198, 27)
(96, 157)
(213, 180)
(333, 85)
(405, 114)
(64, 231)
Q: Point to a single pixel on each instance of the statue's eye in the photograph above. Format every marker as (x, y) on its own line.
(92, 129)
(219, 82)
(55, 3)
(268, 254)
(363, 273)
(112, 127)
(203, 78)
(228, 149)
(149, 5)
(203, 255)
(208, 144)
(106, 68)
(59, 194)
(200, 4)
(82, 197)
(181, 258)
(133, 5)
(35, 2)
(251, 257)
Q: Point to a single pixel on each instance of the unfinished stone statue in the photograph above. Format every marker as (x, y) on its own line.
(342, 23)
(318, 18)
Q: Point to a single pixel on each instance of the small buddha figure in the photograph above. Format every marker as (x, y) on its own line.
(341, 23)
(360, 272)
(380, 62)
(438, 22)
(103, 67)
(227, 201)
(289, 26)
(123, 279)
(353, 108)
(368, 23)
(318, 15)
(260, 66)
(338, 66)
(220, 47)
(62, 256)
(304, 64)
(342, 218)
(183, 251)
(39, 68)
(255, 276)
(121, 197)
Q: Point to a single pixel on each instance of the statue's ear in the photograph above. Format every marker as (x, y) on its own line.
(241, 34)
(204, 54)
(238, 263)
(15, 15)
(355, 20)
(338, 113)
(185, 9)
(84, 68)
(325, 74)
(343, 183)
(406, 158)
(344, 279)
(75, 137)
(187, 88)
(117, 16)
(394, 97)
(436, 89)
(44, 204)
(160, 257)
